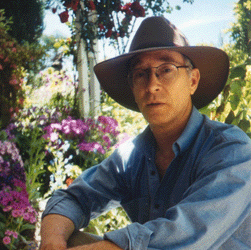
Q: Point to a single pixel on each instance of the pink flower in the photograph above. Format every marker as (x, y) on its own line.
(1, 67)
(26, 216)
(15, 213)
(7, 209)
(13, 81)
(53, 136)
(33, 220)
(6, 240)
(8, 232)
(14, 50)
(15, 235)
(98, 147)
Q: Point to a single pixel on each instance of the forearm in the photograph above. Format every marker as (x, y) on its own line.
(55, 231)
(101, 245)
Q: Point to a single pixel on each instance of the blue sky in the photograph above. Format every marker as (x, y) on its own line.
(204, 21)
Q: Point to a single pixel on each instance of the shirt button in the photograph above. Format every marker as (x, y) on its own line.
(149, 159)
(153, 172)
(156, 206)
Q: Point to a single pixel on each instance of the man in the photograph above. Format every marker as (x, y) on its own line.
(185, 181)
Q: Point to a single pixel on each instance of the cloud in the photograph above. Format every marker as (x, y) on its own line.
(204, 21)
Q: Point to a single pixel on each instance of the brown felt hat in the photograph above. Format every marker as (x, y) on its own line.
(157, 33)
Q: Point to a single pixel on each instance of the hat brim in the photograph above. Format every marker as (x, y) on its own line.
(212, 63)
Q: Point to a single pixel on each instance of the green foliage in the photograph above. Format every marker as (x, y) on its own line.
(34, 164)
(240, 30)
(15, 61)
(130, 122)
(27, 19)
(232, 106)
(112, 220)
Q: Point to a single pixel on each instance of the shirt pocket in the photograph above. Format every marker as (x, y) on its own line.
(137, 209)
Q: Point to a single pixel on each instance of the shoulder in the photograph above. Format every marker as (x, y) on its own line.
(221, 146)
(223, 132)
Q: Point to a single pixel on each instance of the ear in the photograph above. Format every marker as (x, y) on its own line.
(195, 78)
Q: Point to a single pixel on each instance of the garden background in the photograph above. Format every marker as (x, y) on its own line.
(45, 141)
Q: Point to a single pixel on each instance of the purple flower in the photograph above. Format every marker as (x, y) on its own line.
(86, 146)
(74, 127)
(98, 147)
(91, 146)
(107, 141)
(109, 125)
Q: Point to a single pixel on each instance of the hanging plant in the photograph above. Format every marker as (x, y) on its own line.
(107, 19)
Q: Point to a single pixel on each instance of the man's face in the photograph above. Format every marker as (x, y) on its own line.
(165, 102)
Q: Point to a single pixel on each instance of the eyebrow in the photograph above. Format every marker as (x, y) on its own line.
(165, 58)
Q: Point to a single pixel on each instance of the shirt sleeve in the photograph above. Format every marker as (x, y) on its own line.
(212, 209)
(96, 190)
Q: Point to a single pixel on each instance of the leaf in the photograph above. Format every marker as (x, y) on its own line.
(238, 71)
(234, 101)
(226, 91)
(230, 117)
(27, 227)
(220, 109)
(244, 125)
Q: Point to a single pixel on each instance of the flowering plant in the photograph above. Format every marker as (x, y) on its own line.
(113, 19)
(16, 213)
(15, 59)
(71, 145)
(76, 144)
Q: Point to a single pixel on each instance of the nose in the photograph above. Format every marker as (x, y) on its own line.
(153, 83)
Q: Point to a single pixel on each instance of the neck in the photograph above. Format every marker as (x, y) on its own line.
(165, 135)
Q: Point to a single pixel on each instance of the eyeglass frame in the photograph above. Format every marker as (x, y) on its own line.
(156, 71)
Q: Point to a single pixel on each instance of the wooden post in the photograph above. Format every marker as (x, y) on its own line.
(82, 67)
(94, 84)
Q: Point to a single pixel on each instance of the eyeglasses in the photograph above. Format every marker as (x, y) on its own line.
(164, 72)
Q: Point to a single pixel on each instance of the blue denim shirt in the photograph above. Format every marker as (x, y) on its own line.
(202, 202)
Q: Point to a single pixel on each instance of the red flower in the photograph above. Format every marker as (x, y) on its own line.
(75, 4)
(54, 10)
(101, 26)
(108, 33)
(127, 9)
(137, 9)
(69, 181)
(64, 16)
(91, 5)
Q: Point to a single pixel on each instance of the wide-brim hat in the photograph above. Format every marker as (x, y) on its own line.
(157, 33)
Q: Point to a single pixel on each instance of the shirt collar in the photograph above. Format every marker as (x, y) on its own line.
(189, 133)
(148, 144)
